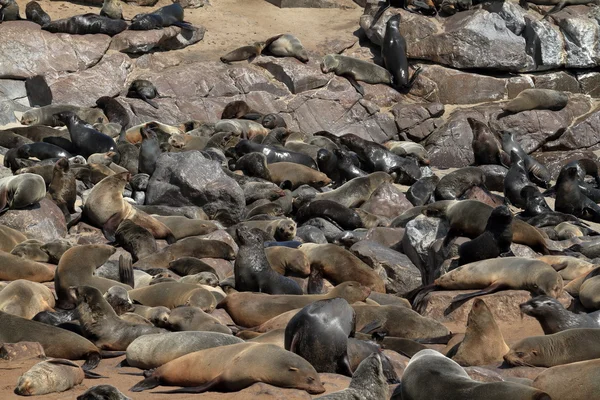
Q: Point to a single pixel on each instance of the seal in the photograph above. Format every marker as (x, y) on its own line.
(21, 191)
(571, 200)
(286, 45)
(516, 179)
(286, 261)
(554, 318)
(487, 147)
(113, 110)
(568, 267)
(47, 116)
(453, 382)
(35, 13)
(588, 292)
(9, 10)
(239, 109)
(355, 70)
(76, 268)
(152, 351)
(171, 15)
(233, 368)
(356, 191)
(274, 154)
(112, 9)
(338, 265)
(57, 342)
(105, 207)
(456, 183)
(368, 382)
(319, 334)
(188, 247)
(31, 249)
(63, 188)
(291, 175)
(564, 347)
(137, 240)
(86, 139)
(102, 392)
(344, 217)
(174, 294)
(149, 151)
(483, 343)
(51, 376)
(9, 238)
(244, 53)
(252, 309)
(183, 227)
(537, 99)
(119, 300)
(86, 24)
(41, 151)
(252, 271)
(190, 266)
(281, 229)
(586, 373)
(492, 243)
(100, 323)
(26, 299)
(194, 319)
(393, 53)
(144, 89)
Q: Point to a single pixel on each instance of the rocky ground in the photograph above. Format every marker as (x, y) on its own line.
(472, 63)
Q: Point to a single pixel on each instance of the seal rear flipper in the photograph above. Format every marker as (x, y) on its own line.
(110, 227)
(196, 389)
(315, 282)
(417, 295)
(184, 25)
(344, 366)
(91, 362)
(146, 384)
(126, 270)
(112, 354)
(147, 100)
(122, 364)
(93, 375)
(496, 287)
(371, 327)
(414, 76)
(355, 84)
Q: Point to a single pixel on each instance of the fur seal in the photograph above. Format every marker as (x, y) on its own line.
(431, 375)
(588, 292)
(188, 247)
(63, 187)
(516, 179)
(355, 70)
(356, 191)
(9, 10)
(187, 318)
(152, 351)
(41, 151)
(537, 172)
(47, 116)
(87, 140)
(393, 53)
(174, 294)
(252, 309)
(568, 267)
(537, 99)
(274, 154)
(9, 238)
(571, 200)
(244, 53)
(239, 109)
(233, 368)
(554, 318)
(368, 382)
(286, 45)
(112, 9)
(21, 191)
(483, 343)
(344, 217)
(106, 208)
(291, 175)
(319, 334)
(252, 270)
(14, 267)
(100, 323)
(564, 347)
(281, 229)
(487, 147)
(56, 342)
(38, 92)
(161, 18)
(558, 381)
(26, 299)
(51, 376)
(113, 110)
(456, 183)
(422, 191)
(144, 89)
(149, 151)
(86, 24)
(34, 13)
(102, 392)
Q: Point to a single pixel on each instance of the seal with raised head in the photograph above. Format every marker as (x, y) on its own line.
(571, 200)
(516, 179)
(34, 13)
(161, 18)
(86, 139)
(564, 347)
(319, 334)
(393, 53)
(356, 191)
(431, 375)
(456, 183)
(86, 24)
(63, 188)
(233, 368)
(554, 317)
(252, 270)
(149, 151)
(355, 70)
(144, 89)
(487, 147)
(537, 99)
(112, 9)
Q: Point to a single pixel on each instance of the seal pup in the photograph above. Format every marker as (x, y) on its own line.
(252, 271)
(171, 15)
(576, 381)
(86, 139)
(286, 45)
(456, 183)
(86, 24)
(319, 334)
(487, 147)
(51, 376)
(483, 343)
(431, 375)
(244, 53)
(35, 13)
(144, 89)
(355, 70)
(554, 318)
(174, 294)
(21, 191)
(393, 53)
(9, 10)
(102, 392)
(149, 151)
(112, 9)
(233, 368)
(368, 382)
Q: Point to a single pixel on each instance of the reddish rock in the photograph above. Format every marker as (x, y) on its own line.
(42, 221)
(21, 351)
(387, 201)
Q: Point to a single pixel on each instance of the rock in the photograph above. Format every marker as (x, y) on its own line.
(449, 146)
(43, 221)
(544, 44)
(479, 194)
(474, 39)
(298, 77)
(189, 179)
(401, 274)
(8, 107)
(192, 3)
(387, 201)
(580, 41)
(417, 121)
(223, 268)
(26, 50)
(581, 135)
(420, 233)
(107, 78)
(503, 305)
(388, 237)
(21, 351)
(590, 83)
(414, 26)
(511, 13)
(517, 84)
(561, 81)
(170, 38)
(555, 160)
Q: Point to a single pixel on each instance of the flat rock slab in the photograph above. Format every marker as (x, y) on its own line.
(504, 305)
(170, 38)
(298, 77)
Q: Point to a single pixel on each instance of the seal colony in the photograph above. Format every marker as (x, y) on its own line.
(218, 257)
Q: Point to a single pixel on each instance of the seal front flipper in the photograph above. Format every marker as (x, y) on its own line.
(146, 384)
(126, 270)
(110, 226)
(147, 100)
(92, 362)
(93, 375)
(184, 25)
(196, 389)
(556, 8)
(344, 366)
(414, 76)
(496, 287)
(355, 84)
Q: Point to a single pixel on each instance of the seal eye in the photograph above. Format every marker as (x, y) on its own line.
(520, 354)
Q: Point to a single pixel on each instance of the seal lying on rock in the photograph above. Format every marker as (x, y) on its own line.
(86, 24)
(161, 18)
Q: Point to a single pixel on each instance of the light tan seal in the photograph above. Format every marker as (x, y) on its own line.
(355, 70)
(483, 343)
(106, 208)
(174, 294)
(589, 293)
(233, 368)
(14, 267)
(356, 191)
(9, 238)
(560, 348)
(576, 381)
(537, 99)
(25, 299)
(281, 229)
(568, 267)
(51, 376)
(292, 175)
(21, 190)
(183, 227)
(288, 261)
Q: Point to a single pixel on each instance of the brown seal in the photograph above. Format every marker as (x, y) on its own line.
(31, 249)
(25, 299)
(244, 53)
(100, 323)
(589, 293)
(456, 183)
(291, 175)
(576, 381)
(174, 294)
(187, 318)
(355, 70)
(233, 368)
(356, 191)
(9, 238)
(568, 267)
(281, 229)
(183, 227)
(21, 190)
(135, 239)
(487, 146)
(51, 376)
(14, 267)
(483, 343)
(288, 261)
(537, 99)
(252, 309)
(63, 188)
(106, 208)
(564, 347)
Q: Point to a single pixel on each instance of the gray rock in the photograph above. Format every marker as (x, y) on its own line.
(298, 77)
(43, 221)
(401, 274)
(26, 50)
(544, 44)
(590, 83)
(311, 234)
(450, 145)
(581, 36)
(330, 230)
(560, 80)
(188, 179)
(582, 135)
(417, 121)
(192, 3)
(420, 233)
(511, 13)
(555, 160)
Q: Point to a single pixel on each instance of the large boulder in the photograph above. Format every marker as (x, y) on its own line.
(42, 221)
(13, 98)
(297, 76)
(582, 135)
(189, 179)
(26, 50)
